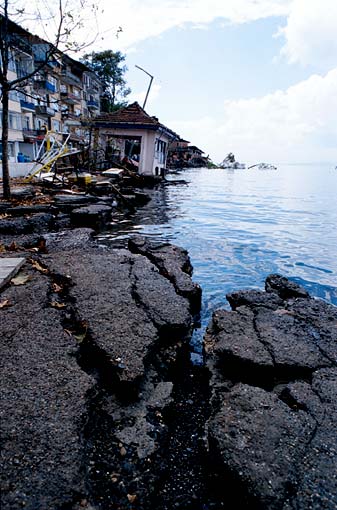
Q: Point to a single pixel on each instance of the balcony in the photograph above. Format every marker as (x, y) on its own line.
(45, 111)
(20, 43)
(32, 135)
(71, 119)
(70, 78)
(73, 122)
(26, 106)
(92, 89)
(23, 70)
(45, 85)
(93, 105)
(69, 98)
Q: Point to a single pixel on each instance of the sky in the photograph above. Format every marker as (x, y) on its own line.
(254, 77)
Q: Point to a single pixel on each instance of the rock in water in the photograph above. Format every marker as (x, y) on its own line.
(274, 380)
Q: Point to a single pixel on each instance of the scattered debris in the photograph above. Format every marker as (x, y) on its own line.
(229, 162)
(56, 288)
(57, 304)
(21, 279)
(5, 303)
(36, 265)
(263, 166)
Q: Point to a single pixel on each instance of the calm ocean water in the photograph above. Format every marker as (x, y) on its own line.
(241, 225)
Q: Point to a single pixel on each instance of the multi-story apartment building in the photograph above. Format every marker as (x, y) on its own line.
(80, 92)
(57, 97)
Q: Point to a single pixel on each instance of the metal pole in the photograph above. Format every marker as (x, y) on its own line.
(147, 95)
(149, 87)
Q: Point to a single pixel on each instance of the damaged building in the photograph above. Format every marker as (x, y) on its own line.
(131, 136)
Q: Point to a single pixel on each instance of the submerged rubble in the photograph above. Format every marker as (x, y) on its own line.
(44, 206)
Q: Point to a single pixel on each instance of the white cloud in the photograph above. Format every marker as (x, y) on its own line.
(141, 19)
(295, 125)
(311, 33)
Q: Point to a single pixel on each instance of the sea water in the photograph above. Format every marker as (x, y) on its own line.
(241, 225)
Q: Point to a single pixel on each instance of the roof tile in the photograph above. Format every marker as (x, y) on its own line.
(133, 114)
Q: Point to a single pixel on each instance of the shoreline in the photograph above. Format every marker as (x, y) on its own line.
(103, 409)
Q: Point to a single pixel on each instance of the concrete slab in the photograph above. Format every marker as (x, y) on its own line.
(9, 267)
(113, 171)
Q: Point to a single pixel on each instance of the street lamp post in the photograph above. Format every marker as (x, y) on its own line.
(148, 89)
(147, 94)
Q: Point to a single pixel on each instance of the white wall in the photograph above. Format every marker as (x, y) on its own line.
(146, 161)
(18, 169)
(147, 153)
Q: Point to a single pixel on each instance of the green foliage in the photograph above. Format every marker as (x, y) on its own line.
(210, 164)
(109, 67)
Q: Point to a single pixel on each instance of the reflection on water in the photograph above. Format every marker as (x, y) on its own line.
(241, 225)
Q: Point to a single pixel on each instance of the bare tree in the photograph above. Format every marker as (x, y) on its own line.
(66, 21)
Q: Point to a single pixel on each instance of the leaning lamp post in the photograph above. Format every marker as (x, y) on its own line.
(149, 87)
(147, 94)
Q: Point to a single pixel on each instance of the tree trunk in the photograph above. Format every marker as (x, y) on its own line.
(113, 94)
(4, 139)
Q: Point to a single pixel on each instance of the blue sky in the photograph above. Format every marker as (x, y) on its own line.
(197, 68)
(254, 77)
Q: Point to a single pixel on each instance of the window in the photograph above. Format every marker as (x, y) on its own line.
(11, 152)
(160, 151)
(42, 100)
(52, 80)
(56, 125)
(13, 95)
(14, 121)
(11, 62)
(24, 66)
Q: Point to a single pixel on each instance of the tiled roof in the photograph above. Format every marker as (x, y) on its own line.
(131, 114)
